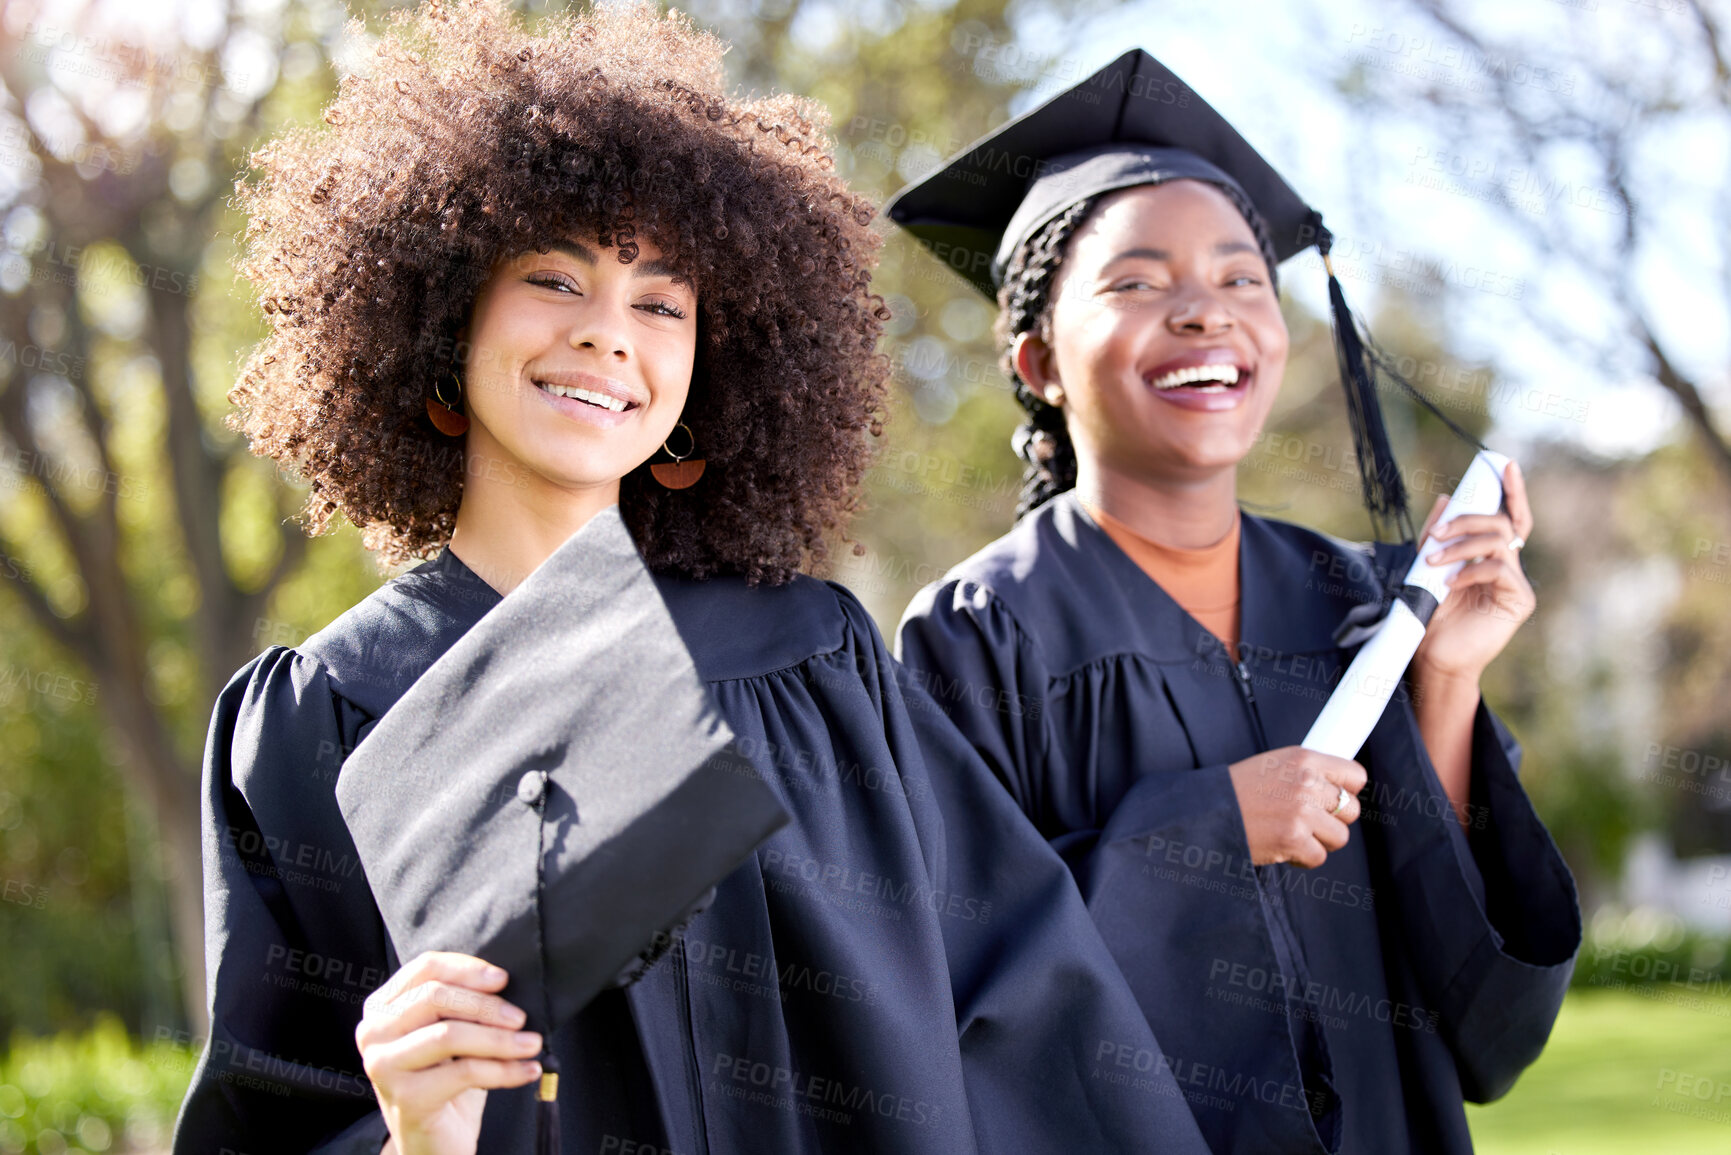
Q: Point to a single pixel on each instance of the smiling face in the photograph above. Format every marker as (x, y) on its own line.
(578, 366)
(1166, 343)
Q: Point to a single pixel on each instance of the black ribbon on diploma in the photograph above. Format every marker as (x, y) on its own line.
(1363, 620)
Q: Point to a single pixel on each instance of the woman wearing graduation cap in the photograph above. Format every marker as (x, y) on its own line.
(1389, 949)
(550, 307)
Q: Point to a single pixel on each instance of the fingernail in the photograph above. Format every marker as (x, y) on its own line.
(1433, 558)
(528, 1038)
(513, 1015)
(1442, 528)
(493, 974)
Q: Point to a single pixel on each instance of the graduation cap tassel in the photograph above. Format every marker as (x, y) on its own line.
(1385, 364)
(547, 1141)
(547, 1107)
(1379, 474)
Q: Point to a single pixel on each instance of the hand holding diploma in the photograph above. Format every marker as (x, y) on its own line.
(1457, 609)
(1296, 804)
(1488, 596)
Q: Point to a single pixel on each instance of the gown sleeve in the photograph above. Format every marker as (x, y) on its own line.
(1489, 912)
(1047, 1024)
(976, 661)
(293, 941)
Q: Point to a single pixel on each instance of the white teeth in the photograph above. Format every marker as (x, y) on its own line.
(599, 399)
(1225, 373)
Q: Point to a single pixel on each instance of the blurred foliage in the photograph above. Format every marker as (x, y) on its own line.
(67, 918)
(97, 1091)
(1646, 947)
(1588, 802)
(149, 547)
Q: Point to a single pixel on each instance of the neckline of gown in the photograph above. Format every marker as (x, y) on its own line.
(734, 631)
(1268, 621)
(449, 566)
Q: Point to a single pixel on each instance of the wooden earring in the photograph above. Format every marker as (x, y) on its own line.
(443, 414)
(679, 473)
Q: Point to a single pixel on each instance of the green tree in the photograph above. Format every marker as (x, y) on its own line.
(149, 543)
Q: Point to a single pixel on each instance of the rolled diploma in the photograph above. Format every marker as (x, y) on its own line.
(1351, 712)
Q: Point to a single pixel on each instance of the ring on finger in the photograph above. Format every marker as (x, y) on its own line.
(1341, 805)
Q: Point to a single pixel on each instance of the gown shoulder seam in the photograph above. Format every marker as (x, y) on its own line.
(276, 651)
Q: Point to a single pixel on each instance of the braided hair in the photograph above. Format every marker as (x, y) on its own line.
(1042, 441)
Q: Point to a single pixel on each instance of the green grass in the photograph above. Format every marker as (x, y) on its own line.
(1645, 1069)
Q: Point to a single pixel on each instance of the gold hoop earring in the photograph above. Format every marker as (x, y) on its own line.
(444, 414)
(679, 473)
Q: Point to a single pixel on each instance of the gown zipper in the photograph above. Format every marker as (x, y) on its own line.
(694, 1073)
(1249, 693)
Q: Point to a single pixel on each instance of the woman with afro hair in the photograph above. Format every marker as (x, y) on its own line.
(523, 282)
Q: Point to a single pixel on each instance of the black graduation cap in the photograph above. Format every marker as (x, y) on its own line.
(557, 789)
(1135, 122)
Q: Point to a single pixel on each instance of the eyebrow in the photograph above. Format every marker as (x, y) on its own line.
(1223, 249)
(655, 268)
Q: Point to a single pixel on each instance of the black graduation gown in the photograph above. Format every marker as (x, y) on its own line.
(1432, 959)
(905, 967)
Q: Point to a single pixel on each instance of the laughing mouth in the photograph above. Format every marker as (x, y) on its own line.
(1200, 378)
(588, 396)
